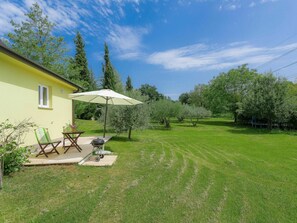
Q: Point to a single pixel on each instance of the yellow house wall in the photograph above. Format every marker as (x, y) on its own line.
(19, 97)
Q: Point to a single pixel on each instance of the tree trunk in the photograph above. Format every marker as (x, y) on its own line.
(129, 132)
(270, 124)
(167, 123)
(235, 117)
(1, 172)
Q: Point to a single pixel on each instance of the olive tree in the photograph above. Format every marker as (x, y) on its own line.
(163, 110)
(183, 112)
(195, 113)
(127, 118)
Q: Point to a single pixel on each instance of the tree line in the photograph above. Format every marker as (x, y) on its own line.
(242, 92)
(250, 96)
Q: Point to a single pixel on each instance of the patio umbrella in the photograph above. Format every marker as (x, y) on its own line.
(104, 96)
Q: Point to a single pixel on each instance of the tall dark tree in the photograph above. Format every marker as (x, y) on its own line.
(129, 86)
(80, 60)
(184, 98)
(109, 79)
(85, 78)
(34, 39)
(151, 92)
(93, 81)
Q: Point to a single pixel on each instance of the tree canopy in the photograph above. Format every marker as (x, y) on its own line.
(127, 118)
(226, 91)
(34, 39)
(184, 98)
(267, 100)
(151, 92)
(163, 110)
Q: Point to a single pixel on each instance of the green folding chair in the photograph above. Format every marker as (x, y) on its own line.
(44, 140)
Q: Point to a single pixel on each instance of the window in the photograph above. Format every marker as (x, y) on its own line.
(43, 96)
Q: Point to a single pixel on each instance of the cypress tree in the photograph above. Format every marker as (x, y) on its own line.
(108, 80)
(129, 86)
(81, 62)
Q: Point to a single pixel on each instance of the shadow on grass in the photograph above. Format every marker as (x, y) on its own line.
(188, 125)
(159, 127)
(243, 129)
(246, 130)
(217, 123)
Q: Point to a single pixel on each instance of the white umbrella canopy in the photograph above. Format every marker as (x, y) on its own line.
(104, 96)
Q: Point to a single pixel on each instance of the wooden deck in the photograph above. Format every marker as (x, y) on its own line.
(73, 156)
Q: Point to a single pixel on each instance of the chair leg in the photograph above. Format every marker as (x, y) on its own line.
(42, 150)
(55, 147)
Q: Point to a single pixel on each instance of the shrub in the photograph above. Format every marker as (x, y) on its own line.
(14, 158)
(12, 154)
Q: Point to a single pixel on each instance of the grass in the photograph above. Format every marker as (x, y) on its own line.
(215, 172)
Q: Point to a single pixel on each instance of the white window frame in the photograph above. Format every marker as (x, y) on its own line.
(40, 96)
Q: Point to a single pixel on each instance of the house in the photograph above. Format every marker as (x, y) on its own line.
(28, 90)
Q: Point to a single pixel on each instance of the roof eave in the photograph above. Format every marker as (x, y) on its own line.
(23, 59)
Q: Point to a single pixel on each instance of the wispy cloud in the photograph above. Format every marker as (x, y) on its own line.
(92, 16)
(8, 11)
(204, 57)
(238, 4)
(68, 15)
(96, 18)
(127, 40)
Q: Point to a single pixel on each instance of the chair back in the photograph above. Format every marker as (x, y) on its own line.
(42, 135)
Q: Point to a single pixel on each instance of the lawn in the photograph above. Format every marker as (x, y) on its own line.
(215, 172)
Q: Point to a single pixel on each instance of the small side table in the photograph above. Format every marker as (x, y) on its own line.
(72, 136)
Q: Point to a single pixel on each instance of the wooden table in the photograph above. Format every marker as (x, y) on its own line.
(72, 136)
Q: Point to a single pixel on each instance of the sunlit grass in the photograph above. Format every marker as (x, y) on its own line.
(215, 172)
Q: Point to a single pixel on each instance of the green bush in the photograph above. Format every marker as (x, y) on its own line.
(11, 138)
(14, 158)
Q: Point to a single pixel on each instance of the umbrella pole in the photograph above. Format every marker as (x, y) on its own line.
(105, 118)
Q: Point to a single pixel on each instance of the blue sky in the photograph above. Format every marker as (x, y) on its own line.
(174, 44)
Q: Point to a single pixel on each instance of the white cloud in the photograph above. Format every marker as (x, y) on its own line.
(126, 40)
(266, 1)
(237, 4)
(9, 11)
(202, 57)
(95, 16)
(68, 15)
